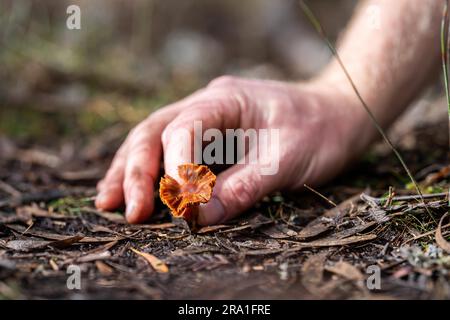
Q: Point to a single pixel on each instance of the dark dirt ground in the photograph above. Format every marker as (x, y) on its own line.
(288, 246)
(67, 100)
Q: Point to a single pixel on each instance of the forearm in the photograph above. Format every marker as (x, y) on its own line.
(389, 60)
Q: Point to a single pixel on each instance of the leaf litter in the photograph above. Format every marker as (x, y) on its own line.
(287, 246)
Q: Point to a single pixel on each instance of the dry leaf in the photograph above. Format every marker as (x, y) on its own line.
(56, 236)
(26, 245)
(314, 228)
(209, 229)
(157, 264)
(327, 242)
(159, 226)
(94, 256)
(440, 240)
(66, 242)
(346, 270)
(331, 242)
(53, 264)
(103, 268)
(312, 271)
(278, 232)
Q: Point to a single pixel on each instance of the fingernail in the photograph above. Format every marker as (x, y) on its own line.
(211, 213)
(131, 207)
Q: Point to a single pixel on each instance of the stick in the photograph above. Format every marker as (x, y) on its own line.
(320, 195)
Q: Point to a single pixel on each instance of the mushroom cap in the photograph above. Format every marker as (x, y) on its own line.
(196, 186)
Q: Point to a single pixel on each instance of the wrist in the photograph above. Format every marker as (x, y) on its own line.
(348, 128)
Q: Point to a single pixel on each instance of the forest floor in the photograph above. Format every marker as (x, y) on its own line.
(373, 238)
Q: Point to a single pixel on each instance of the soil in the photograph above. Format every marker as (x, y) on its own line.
(288, 246)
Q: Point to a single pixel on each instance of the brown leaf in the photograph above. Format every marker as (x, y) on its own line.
(104, 255)
(26, 245)
(35, 211)
(342, 208)
(346, 270)
(209, 229)
(327, 242)
(64, 243)
(102, 248)
(278, 232)
(157, 264)
(103, 268)
(254, 223)
(157, 226)
(440, 240)
(434, 177)
(331, 242)
(314, 228)
(56, 236)
(312, 271)
(53, 264)
(354, 230)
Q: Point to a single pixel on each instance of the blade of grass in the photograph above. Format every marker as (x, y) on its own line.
(445, 51)
(445, 46)
(316, 24)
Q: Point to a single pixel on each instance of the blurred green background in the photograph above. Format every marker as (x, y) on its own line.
(131, 57)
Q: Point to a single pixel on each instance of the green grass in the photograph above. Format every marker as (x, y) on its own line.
(69, 205)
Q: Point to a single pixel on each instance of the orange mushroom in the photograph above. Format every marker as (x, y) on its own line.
(197, 183)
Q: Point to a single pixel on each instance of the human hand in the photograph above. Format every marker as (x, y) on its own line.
(318, 128)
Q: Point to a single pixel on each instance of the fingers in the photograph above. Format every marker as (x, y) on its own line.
(142, 164)
(236, 190)
(131, 175)
(110, 191)
(133, 172)
(141, 170)
(210, 110)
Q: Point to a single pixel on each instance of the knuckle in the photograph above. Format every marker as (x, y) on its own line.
(223, 81)
(140, 128)
(166, 133)
(135, 173)
(141, 149)
(139, 174)
(243, 191)
(181, 129)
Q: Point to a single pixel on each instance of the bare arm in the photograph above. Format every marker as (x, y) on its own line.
(390, 50)
(321, 123)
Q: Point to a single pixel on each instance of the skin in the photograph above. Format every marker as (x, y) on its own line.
(322, 124)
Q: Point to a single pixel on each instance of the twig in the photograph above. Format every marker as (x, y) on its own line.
(9, 189)
(320, 195)
(426, 234)
(379, 201)
(390, 197)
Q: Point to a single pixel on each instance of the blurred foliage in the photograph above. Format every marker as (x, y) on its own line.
(131, 57)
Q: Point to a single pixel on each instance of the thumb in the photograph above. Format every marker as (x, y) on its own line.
(183, 136)
(236, 190)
